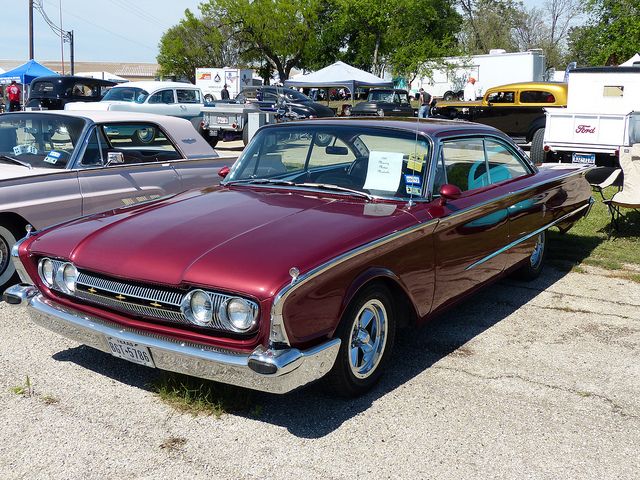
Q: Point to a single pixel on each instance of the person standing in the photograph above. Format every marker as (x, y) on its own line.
(13, 94)
(224, 93)
(470, 90)
(424, 99)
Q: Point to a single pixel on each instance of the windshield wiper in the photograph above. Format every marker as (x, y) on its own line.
(329, 186)
(262, 181)
(16, 161)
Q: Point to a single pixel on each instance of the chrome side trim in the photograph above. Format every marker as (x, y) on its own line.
(288, 369)
(15, 258)
(528, 236)
(278, 333)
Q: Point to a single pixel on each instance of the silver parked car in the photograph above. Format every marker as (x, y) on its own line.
(56, 166)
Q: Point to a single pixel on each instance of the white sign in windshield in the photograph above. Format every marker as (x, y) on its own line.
(383, 172)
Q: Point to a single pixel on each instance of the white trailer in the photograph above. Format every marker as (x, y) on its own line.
(602, 115)
(211, 81)
(496, 68)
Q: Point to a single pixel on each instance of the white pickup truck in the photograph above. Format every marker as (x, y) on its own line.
(602, 115)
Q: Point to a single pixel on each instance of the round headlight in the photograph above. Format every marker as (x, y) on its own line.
(45, 269)
(240, 315)
(197, 307)
(66, 278)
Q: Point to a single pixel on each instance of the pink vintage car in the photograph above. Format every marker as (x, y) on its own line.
(324, 237)
(55, 166)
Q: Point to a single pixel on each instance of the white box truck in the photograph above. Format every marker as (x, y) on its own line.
(211, 81)
(495, 68)
(602, 115)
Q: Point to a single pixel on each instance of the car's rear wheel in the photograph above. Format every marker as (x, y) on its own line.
(245, 135)
(7, 270)
(533, 267)
(367, 332)
(537, 153)
(144, 135)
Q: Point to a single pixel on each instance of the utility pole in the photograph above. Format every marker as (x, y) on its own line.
(30, 29)
(73, 69)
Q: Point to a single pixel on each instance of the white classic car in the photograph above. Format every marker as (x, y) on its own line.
(59, 165)
(177, 99)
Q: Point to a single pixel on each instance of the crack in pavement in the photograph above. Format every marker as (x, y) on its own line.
(547, 290)
(615, 408)
(576, 310)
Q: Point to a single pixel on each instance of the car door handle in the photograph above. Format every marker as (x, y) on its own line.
(183, 107)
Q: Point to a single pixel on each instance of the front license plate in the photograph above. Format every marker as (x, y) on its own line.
(130, 351)
(223, 120)
(584, 158)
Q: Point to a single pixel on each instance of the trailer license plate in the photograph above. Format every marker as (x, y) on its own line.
(130, 351)
(223, 120)
(584, 158)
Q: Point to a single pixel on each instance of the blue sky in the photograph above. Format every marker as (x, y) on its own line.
(104, 30)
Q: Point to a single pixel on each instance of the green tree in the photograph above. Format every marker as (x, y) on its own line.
(610, 36)
(277, 30)
(195, 42)
(489, 24)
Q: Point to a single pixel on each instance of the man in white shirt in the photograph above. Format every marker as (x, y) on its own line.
(470, 90)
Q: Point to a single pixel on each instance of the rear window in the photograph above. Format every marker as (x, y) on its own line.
(188, 96)
(537, 96)
(42, 87)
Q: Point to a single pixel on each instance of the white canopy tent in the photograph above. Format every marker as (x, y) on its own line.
(633, 60)
(339, 74)
(112, 77)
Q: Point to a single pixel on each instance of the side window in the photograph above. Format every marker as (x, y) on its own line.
(536, 96)
(163, 96)
(93, 153)
(139, 143)
(188, 96)
(503, 164)
(461, 159)
(81, 90)
(404, 98)
(501, 97)
(269, 97)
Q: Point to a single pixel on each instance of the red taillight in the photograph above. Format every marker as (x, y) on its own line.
(234, 125)
(546, 148)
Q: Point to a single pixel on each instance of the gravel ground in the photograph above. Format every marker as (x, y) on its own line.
(537, 380)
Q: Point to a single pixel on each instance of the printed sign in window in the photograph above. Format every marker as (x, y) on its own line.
(613, 91)
(383, 172)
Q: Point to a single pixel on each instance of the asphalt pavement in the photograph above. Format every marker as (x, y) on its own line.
(526, 380)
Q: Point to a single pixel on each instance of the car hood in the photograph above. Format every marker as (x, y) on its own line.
(17, 171)
(236, 239)
(95, 105)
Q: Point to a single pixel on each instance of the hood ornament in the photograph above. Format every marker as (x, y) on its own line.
(295, 273)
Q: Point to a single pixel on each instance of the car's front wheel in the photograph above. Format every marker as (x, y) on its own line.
(367, 332)
(537, 153)
(7, 270)
(533, 267)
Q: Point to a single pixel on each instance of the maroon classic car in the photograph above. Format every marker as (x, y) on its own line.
(324, 237)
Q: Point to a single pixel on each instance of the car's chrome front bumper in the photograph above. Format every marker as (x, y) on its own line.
(268, 370)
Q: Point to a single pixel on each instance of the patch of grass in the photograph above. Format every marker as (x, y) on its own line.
(25, 389)
(203, 397)
(50, 399)
(592, 241)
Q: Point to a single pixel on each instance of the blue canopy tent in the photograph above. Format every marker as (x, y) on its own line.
(25, 73)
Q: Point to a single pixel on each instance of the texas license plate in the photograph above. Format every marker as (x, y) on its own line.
(584, 158)
(223, 120)
(130, 351)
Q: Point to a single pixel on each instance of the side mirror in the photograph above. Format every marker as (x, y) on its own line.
(449, 191)
(224, 171)
(114, 158)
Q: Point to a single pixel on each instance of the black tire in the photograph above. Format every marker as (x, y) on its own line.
(8, 238)
(537, 153)
(323, 139)
(533, 267)
(353, 373)
(210, 139)
(245, 134)
(208, 98)
(144, 136)
(448, 96)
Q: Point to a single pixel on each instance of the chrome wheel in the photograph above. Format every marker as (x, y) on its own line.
(4, 255)
(7, 269)
(368, 338)
(146, 135)
(538, 252)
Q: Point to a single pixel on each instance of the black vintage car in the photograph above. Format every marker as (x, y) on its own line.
(384, 102)
(53, 93)
(271, 98)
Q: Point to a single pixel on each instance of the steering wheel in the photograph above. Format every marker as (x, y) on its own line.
(357, 171)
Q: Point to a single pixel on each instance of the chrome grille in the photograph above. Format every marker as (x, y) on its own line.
(137, 299)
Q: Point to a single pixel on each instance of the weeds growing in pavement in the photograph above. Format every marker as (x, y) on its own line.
(25, 389)
(203, 397)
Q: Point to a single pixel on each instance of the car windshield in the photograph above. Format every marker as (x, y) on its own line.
(380, 96)
(126, 94)
(359, 160)
(39, 139)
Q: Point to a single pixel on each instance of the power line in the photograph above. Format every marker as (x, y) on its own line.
(137, 11)
(102, 28)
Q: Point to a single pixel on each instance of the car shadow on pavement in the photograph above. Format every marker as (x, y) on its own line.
(312, 412)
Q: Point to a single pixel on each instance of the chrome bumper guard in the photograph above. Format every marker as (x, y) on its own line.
(267, 370)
